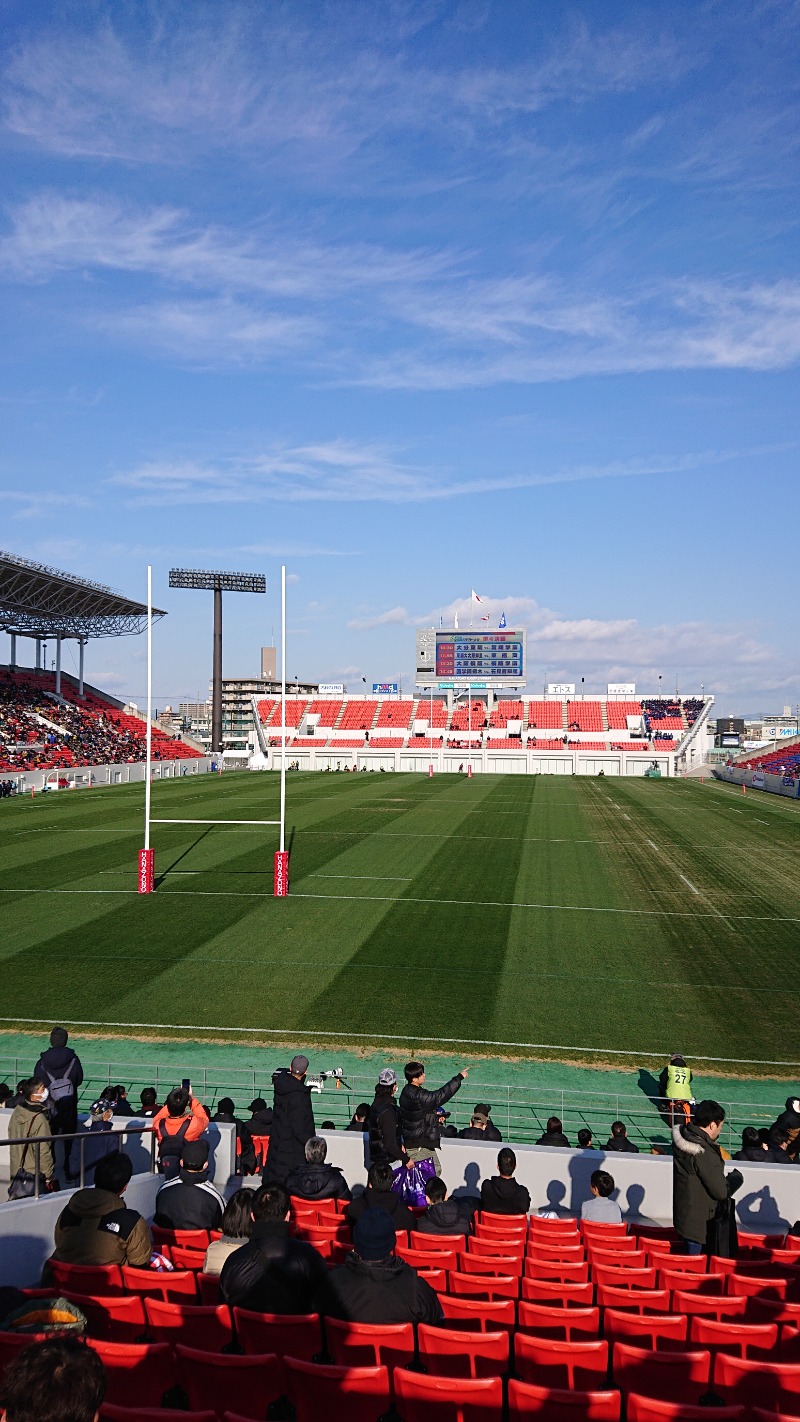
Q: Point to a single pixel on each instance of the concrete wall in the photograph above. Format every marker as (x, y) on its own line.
(569, 760)
(788, 785)
(85, 777)
(221, 1140)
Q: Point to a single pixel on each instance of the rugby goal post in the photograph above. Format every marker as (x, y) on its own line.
(146, 884)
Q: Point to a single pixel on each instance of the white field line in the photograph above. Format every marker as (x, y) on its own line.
(387, 1037)
(373, 878)
(689, 883)
(407, 899)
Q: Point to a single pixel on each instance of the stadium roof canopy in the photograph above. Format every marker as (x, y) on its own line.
(37, 601)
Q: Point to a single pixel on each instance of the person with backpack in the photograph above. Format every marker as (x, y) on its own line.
(174, 1128)
(59, 1069)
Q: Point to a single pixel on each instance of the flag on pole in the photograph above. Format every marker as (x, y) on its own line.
(486, 619)
(502, 619)
(475, 595)
(455, 620)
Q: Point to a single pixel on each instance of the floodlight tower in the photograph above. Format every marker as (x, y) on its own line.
(216, 582)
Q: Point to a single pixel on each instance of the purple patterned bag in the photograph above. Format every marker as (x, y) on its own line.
(409, 1182)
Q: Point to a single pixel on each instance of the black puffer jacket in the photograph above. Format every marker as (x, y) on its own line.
(501, 1196)
(385, 1129)
(421, 1128)
(385, 1291)
(189, 1201)
(553, 1138)
(292, 1126)
(274, 1274)
(450, 1217)
(260, 1123)
(621, 1143)
(401, 1215)
(318, 1182)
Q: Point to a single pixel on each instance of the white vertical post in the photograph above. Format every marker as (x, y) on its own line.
(283, 708)
(81, 647)
(149, 732)
(58, 664)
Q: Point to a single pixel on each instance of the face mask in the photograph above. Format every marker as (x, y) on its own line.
(40, 1100)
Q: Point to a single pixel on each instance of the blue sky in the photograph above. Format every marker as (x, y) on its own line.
(418, 297)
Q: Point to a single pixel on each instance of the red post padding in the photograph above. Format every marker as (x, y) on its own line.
(147, 871)
(281, 887)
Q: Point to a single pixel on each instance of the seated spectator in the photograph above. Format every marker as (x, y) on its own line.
(96, 1227)
(444, 1215)
(315, 1180)
(29, 1119)
(619, 1139)
(446, 1132)
(119, 1096)
(272, 1272)
(360, 1118)
(778, 1147)
(554, 1135)
(237, 1226)
(59, 1380)
(328, 1126)
(501, 1195)
(753, 1148)
(380, 1195)
(174, 1128)
(98, 1127)
(601, 1207)
(585, 1139)
(477, 1130)
(188, 1200)
(149, 1101)
(373, 1285)
(5, 1094)
(18, 1097)
(261, 1115)
(492, 1133)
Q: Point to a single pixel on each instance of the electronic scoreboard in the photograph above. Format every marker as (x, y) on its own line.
(448, 657)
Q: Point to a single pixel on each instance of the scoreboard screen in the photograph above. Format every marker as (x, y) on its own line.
(488, 658)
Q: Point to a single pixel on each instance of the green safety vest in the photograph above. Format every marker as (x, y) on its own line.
(679, 1083)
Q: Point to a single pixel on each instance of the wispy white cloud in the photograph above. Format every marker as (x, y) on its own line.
(36, 503)
(367, 623)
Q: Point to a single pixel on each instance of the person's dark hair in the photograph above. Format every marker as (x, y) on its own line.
(328, 1126)
(763, 1134)
(584, 1138)
(177, 1101)
(618, 1129)
(750, 1138)
(59, 1380)
(116, 1093)
(506, 1161)
(26, 1088)
(554, 1126)
(59, 1037)
(5, 1092)
(113, 1172)
(271, 1202)
(603, 1183)
(413, 1069)
(435, 1190)
(148, 1097)
(226, 1105)
(380, 1177)
(778, 1136)
(709, 1113)
(362, 1111)
(237, 1222)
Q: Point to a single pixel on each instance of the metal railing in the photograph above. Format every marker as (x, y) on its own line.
(83, 1138)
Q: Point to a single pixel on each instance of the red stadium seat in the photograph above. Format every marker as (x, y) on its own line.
(550, 1404)
(186, 1258)
(370, 1345)
(208, 1286)
(186, 1238)
(493, 1264)
(500, 1226)
(675, 1376)
(560, 1273)
(748, 1286)
(137, 1374)
(758, 1383)
(11, 1344)
(625, 1278)
(698, 1283)
(733, 1338)
(548, 1291)
(651, 1409)
(298, 1335)
(559, 1323)
(110, 1413)
(197, 1327)
(115, 1319)
(436, 1243)
(540, 1224)
(488, 1286)
(94, 1279)
(576, 1364)
(423, 1399)
(672, 1327)
(491, 1248)
(555, 1253)
(328, 1391)
(677, 1263)
(634, 1300)
(485, 1314)
(174, 1287)
(428, 1259)
(773, 1311)
(454, 1353)
(437, 1278)
(249, 1384)
(617, 1258)
(710, 1305)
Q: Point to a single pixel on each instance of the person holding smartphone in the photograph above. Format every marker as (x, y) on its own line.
(181, 1119)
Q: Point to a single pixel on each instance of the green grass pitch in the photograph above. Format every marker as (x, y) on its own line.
(606, 914)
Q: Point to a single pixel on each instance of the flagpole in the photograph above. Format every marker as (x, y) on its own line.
(149, 730)
(283, 708)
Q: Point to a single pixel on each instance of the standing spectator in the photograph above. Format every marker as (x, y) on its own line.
(492, 1133)
(789, 1121)
(445, 1215)
(29, 1120)
(189, 1200)
(373, 1285)
(502, 1195)
(554, 1135)
(317, 1180)
(359, 1120)
(292, 1122)
(380, 1195)
(174, 1128)
(61, 1378)
(601, 1207)
(59, 1068)
(272, 1272)
(619, 1139)
(698, 1175)
(237, 1227)
(421, 1131)
(478, 1128)
(96, 1227)
(384, 1124)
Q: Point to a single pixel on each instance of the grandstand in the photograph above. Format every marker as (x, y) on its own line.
(550, 734)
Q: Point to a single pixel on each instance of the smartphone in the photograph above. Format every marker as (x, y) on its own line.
(187, 1085)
